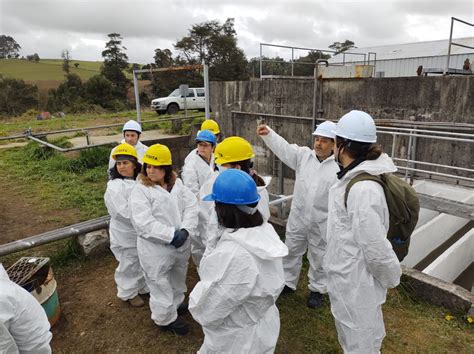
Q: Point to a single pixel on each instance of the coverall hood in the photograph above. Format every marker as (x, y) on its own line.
(264, 245)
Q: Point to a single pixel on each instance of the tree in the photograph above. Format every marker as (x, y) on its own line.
(115, 62)
(68, 96)
(9, 48)
(216, 44)
(163, 58)
(100, 91)
(16, 96)
(76, 65)
(339, 47)
(66, 61)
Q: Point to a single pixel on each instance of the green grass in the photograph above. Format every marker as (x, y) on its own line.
(17, 125)
(46, 69)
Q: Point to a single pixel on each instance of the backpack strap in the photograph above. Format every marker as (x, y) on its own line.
(364, 176)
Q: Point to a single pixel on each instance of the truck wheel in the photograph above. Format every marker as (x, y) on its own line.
(173, 108)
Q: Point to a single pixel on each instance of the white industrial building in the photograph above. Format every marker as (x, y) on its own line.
(404, 59)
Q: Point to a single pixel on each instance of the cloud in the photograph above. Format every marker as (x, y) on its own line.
(48, 26)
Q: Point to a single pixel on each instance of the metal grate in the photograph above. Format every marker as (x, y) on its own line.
(29, 272)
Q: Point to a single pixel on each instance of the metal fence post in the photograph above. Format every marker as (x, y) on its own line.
(137, 97)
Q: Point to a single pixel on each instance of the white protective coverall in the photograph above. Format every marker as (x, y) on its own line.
(156, 214)
(196, 172)
(235, 299)
(360, 261)
(212, 230)
(141, 149)
(123, 240)
(306, 226)
(24, 319)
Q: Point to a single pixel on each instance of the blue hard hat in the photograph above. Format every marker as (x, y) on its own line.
(234, 186)
(206, 135)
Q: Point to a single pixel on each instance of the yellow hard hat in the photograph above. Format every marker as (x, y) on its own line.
(124, 149)
(157, 155)
(233, 149)
(210, 124)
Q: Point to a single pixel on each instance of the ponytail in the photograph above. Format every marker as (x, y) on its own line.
(375, 150)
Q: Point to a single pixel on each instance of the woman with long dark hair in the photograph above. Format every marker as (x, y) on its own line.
(242, 277)
(123, 238)
(164, 213)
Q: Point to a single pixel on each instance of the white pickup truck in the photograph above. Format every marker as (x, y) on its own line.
(196, 99)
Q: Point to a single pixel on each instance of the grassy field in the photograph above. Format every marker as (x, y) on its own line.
(46, 69)
(17, 125)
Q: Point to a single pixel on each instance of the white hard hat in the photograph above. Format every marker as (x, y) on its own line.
(357, 126)
(326, 129)
(132, 125)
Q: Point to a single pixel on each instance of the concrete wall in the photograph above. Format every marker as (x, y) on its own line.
(454, 261)
(429, 99)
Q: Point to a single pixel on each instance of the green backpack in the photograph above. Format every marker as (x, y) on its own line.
(403, 207)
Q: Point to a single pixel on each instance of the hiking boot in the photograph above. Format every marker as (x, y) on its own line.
(287, 290)
(136, 301)
(315, 300)
(177, 327)
(183, 308)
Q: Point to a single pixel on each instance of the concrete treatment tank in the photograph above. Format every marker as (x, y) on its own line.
(442, 245)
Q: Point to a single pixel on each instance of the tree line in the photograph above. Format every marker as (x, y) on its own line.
(212, 41)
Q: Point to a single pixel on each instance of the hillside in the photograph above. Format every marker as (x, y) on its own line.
(46, 69)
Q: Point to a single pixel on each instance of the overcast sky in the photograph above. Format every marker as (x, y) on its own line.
(47, 27)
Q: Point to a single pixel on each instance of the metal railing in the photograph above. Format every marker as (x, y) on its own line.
(292, 61)
(28, 134)
(410, 157)
(451, 43)
(407, 163)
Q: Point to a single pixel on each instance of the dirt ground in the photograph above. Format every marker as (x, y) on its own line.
(94, 320)
(21, 217)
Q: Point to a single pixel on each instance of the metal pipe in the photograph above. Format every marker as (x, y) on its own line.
(55, 235)
(427, 131)
(433, 164)
(292, 58)
(271, 115)
(430, 136)
(67, 149)
(287, 46)
(394, 140)
(207, 109)
(137, 97)
(280, 200)
(41, 134)
(260, 60)
(408, 154)
(449, 46)
(437, 173)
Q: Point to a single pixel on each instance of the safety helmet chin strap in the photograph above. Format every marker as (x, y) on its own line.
(246, 209)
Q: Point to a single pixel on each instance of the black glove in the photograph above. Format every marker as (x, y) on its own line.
(180, 237)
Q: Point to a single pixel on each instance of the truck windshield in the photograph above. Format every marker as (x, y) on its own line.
(175, 93)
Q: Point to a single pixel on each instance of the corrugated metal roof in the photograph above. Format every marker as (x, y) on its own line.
(411, 50)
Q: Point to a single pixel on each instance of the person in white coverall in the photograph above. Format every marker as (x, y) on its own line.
(197, 170)
(233, 152)
(360, 262)
(306, 227)
(131, 135)
(164, 213)
(123, 237)
(242, 277)
(24, 324)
